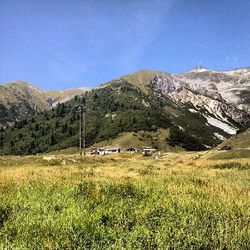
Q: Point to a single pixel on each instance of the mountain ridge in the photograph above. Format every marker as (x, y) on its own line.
(142, 101)
(20, 99)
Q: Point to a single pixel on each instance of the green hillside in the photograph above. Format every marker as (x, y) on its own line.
(111, 110)
(141, 78)
(115, 108)
(238, 147)
(240, 141)
(20, 100)
(15, 92)
(139, 139)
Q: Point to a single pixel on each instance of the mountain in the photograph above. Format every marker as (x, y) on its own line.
(233, 86)
(222, 106)
(19, 100)
(218, 112)
(144, 103)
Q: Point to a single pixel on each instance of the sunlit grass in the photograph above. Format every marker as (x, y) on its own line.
(180, 201)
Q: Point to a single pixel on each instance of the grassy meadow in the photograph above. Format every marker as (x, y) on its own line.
(180, 201)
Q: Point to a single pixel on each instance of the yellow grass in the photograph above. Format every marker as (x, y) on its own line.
(73, 168)
(179, 201)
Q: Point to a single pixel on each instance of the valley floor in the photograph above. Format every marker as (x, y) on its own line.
(183, 200)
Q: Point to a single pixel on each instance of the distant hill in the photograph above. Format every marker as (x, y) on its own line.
(146, 101)
(238, 146)
(20, 100)
(139, 140)
(239, 141)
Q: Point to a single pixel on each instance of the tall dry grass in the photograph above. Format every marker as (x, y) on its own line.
(180, 201)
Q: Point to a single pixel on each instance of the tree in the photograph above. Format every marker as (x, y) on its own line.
(83, 100)
(70, 131)
(12, 143)
(36, 127)
(184, 140)
(52, 139)
(32, 147)
(64, 128)
(20, 136)
(61, 109)
(1, 140)
(57, 124)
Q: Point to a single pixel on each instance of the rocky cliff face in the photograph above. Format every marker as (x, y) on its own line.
(218, 109)
(218, 112)
(232, 86)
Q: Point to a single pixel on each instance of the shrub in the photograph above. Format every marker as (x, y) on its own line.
(231, 165)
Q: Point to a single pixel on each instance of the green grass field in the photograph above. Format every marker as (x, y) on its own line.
(181, 201)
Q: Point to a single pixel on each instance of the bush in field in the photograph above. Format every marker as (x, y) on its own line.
(4, 214)
(231, 165)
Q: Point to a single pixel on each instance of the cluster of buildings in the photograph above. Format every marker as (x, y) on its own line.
(147, 151)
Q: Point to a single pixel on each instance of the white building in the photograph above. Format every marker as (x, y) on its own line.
(112, 150)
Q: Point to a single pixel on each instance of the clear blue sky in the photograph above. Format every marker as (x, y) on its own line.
(58, 44)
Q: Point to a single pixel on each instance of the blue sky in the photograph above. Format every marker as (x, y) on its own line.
(63, 44)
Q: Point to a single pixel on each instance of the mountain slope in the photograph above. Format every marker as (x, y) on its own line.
(122, 106)
(141, 78)
(232, 86)
(236, 147)
(239, 141)
(19, 100)
(144, 101)
(112, 110)
(218, 112)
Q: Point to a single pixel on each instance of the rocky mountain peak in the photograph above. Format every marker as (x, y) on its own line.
(166, 83)
(209, 104)
(232, 86)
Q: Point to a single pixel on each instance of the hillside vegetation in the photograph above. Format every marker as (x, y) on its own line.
(139, 139)
(241, 140)
(147, 101)
(20, 100)
(141, 78)
(113, 109)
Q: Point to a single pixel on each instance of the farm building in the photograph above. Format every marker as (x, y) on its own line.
(132, 150)
(112, 150)
(148, 151)
(102, 151)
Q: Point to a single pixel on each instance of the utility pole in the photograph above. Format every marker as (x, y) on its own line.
(84, 129)
(80, 130)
